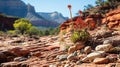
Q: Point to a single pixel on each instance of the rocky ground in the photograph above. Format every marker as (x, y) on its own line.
(103, 50)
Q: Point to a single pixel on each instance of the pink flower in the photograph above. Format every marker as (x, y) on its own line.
(80, 12)
(69, 6)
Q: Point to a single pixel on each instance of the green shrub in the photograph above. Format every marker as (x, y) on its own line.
(46, 32)
(22, 25)
(53, 31)
(40, 33)
(79, 36)
(33, 31)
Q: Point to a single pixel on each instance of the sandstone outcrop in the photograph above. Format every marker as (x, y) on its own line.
(81, 22)
(113, 19)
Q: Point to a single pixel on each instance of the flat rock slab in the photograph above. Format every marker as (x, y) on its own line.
(90, 65)
(98, 65)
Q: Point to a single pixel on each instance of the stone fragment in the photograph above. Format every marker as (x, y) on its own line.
(20, 59)
(77, 46)
(79, 62)
(71, 57)
(81, 56)
(62, 57)
(52, 65)
(71, 49)
(67, 65)
(107, 42)
(37, 53)
(87, 49)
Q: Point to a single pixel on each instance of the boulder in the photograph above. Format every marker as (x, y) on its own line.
(90, 57)
(101, 61)
(104, 47)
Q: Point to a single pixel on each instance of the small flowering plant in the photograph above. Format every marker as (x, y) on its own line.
(79, 23)
(69, 6)
(80, 12)
(80, 33)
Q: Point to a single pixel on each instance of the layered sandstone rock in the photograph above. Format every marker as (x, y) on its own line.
(113, 19)
(93, 20)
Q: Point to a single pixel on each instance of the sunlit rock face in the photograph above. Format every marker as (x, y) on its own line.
(13, 7)
(113, 19)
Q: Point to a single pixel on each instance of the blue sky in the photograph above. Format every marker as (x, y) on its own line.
(59, 5)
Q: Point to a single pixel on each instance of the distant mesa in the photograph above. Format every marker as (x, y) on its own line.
(19, 9)
(53, 16)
